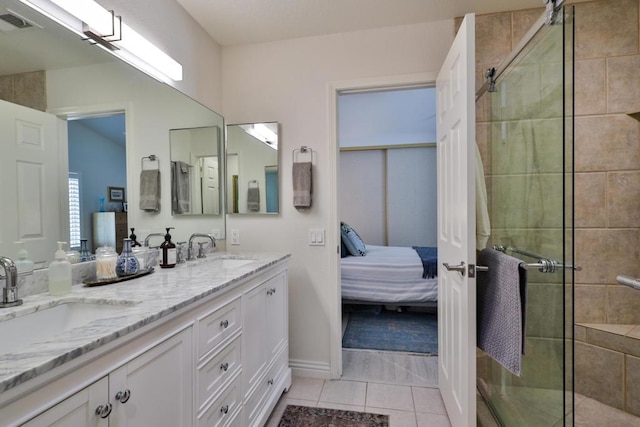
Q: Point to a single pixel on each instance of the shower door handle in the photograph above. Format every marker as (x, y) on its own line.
(462, 269)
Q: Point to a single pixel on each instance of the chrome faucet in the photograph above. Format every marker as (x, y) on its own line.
(201, 254)
(10, 291)
(146, 239)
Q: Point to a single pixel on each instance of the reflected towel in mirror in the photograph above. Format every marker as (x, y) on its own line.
(253, 198)
(180, 188)
(302, 184)
(150, 190)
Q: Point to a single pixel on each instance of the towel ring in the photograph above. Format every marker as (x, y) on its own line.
(151, 158)
(254, 183)
(295, 153)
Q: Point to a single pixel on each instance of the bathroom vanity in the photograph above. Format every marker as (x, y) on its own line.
(205, 343)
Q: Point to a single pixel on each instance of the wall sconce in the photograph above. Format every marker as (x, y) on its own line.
(102, 27)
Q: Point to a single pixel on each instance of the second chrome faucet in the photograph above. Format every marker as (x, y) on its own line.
(201, 253)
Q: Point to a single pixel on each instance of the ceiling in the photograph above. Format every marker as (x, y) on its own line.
(236, 22)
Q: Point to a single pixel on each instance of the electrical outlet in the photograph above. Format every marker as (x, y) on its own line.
(235, 237)
(215, 233)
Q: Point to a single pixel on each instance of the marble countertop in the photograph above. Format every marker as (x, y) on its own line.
(143, 300)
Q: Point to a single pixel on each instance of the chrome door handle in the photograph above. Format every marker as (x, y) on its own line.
(459, 268)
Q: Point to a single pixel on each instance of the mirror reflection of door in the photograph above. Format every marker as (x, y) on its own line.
(209, 185)
(271, 188)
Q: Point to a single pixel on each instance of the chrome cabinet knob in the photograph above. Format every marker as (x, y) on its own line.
(224, 324)
(123, 396)
(270, 382)
(104, 410)
(224, 409)
(224, 366)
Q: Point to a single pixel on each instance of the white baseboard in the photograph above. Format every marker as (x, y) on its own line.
(310, 369)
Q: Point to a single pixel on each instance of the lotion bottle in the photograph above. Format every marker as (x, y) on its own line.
(60, 272)
(168, 249)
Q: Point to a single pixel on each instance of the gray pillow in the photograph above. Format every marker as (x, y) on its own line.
(352, 241)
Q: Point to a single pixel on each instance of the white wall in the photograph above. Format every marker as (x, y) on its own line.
(166, 24)
(288, 81)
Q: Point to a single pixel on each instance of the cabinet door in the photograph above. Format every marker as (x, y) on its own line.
(78, 410)
(156, 388)
(253, 335)
(277, 317)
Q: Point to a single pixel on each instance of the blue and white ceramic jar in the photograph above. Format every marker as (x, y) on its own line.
(127, 262)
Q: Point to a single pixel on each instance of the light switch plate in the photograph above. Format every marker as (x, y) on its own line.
(316, 237)
(235, 236)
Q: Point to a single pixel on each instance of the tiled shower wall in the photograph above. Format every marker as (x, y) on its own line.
(607, 146)
(28, 89)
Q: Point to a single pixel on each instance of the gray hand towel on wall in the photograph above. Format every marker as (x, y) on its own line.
(302, 184)
(253, 199)
(180, 187)
(150, 190)
(501, 304)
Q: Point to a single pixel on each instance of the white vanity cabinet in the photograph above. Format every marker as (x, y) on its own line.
(220, 361)
(153, 389)
(266, 352)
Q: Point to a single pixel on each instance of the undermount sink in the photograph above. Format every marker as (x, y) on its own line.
(229, 263)
(44, 324)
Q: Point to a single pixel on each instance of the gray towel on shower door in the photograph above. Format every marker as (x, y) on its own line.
(501, 308)
(180, 188)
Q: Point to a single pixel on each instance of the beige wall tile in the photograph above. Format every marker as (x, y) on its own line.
(580, 333)
(632, 400)
(590, 87)
(595, 250)
(624, 199)
(493, 38)
(6, 88)
(623, 84)
(522, 20)
(544, 310)
(590, 304)
(30, 90)
(599, 374)
(613, 341)
(623, 302)
(607, 143)
(590, 199)
(606, 28)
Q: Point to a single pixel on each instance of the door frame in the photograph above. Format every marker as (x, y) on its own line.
(333, 236)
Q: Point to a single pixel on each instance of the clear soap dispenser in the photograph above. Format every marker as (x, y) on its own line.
(23, 263)
(60, 272)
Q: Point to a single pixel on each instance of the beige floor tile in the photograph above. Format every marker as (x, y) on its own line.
(397, 418)
(432, 420)
(428, 400)
(590, 413)
(305, 388)
(389, 396)
(345, 392)
(332, 405)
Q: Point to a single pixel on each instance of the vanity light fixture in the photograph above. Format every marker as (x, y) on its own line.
(263, 133)
(88, 19)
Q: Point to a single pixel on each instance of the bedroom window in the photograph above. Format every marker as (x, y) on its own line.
(388, 165)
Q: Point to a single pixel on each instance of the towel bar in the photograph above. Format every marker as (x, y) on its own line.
(544, 265)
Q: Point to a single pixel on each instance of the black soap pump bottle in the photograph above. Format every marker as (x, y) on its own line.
(168, 251)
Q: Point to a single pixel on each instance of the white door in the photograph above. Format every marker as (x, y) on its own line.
(34, 174)
(210, 189)
(456, 228)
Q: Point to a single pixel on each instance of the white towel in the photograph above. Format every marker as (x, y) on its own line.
(483, 225)
(150, 190)
(302, 184)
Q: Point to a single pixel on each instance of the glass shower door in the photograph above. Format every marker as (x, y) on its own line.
(529, 176)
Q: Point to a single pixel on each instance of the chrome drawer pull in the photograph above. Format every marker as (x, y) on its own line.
(123, 396)
(224, 323)
(104, 410)
(224, 366)
(224, 409)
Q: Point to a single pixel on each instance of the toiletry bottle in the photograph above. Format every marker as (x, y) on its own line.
(60, 272)
(168, 249)
(23, 263)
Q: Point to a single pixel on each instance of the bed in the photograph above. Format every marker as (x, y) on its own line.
(387, 275)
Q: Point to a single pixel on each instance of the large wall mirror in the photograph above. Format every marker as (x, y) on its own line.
(79, 127)
(196, 171)
(253, 168)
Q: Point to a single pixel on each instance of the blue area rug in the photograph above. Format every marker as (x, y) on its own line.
(411, 332)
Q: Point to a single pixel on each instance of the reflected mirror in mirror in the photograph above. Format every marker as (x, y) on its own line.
(195, 171)
(49, 76)
(253, 168)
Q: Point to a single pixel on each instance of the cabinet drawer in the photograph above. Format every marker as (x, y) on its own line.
(223, 410)
(214, 327)
(217, 370)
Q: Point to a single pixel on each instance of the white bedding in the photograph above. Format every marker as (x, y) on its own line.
(387, 274)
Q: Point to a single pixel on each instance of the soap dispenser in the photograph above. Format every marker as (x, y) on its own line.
(168, 249)
(60, 272)
(23, 263)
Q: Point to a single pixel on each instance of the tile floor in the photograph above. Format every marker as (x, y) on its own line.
(401, 385)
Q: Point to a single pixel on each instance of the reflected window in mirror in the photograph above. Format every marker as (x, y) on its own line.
(253, 168)
(196, 171)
